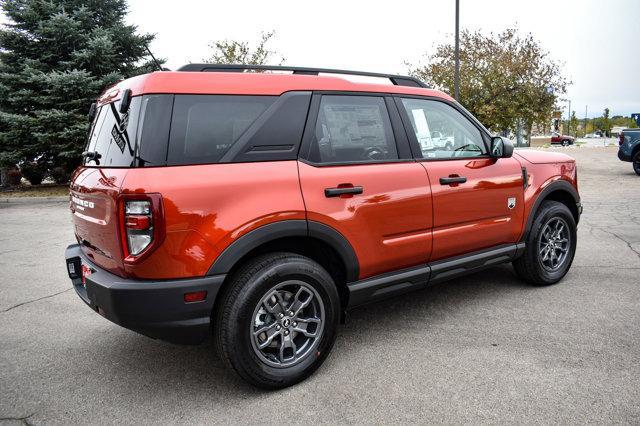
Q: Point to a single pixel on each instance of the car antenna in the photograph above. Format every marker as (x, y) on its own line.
(155, 61)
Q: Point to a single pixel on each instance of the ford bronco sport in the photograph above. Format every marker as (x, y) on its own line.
(260, 206)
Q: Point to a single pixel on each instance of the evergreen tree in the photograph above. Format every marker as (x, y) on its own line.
(56, 57)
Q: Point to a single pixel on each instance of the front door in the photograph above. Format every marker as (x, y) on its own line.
(477, 200)
(354, 179)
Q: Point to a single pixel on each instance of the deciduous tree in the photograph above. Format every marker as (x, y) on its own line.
(504, 77)
(573, 124)
(241, 52)
(606, 122)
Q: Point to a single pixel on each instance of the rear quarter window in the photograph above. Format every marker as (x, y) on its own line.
(113, 135)
(204, 127)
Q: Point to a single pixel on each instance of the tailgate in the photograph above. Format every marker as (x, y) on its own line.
(94, 195)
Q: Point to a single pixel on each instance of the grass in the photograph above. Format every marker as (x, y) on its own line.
(44, 190)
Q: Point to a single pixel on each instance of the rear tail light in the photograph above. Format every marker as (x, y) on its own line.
(138, 224)
(621, 139)
(142, 225)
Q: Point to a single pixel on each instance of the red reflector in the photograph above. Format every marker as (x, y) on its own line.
(137, 222)
(196, 296)
(86, 271)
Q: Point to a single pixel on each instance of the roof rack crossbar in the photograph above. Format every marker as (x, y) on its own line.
(398, 80)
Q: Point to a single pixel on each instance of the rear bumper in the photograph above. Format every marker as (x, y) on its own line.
(623, 156)
(154, 308)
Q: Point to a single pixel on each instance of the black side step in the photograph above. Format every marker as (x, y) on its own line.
(386, 285)
(445, 269)
(398, 282)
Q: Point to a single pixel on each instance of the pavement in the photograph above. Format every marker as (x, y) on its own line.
(480, 349)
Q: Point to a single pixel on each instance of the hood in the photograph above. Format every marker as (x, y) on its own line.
(542, 157)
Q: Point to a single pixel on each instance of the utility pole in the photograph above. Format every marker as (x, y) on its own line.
(569, 119)
(456, 80)
(586, 109)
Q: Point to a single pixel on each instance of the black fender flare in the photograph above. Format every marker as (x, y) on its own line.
(558, 185)
(282, 229)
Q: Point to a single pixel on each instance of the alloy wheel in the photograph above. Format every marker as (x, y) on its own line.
(287, 324)
(554, 244)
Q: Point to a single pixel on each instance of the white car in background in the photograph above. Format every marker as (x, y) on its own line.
(441, 141)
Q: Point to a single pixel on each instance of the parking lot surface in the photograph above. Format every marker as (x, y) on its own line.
(479, 349)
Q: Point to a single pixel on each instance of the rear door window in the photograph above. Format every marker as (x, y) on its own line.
(353, 129)
(204, 127)
(113, 135)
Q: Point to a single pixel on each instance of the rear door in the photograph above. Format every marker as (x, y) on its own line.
(357, 176)
(477, 200)
(96, 185)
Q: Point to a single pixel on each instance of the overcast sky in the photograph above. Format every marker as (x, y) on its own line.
(596, 40)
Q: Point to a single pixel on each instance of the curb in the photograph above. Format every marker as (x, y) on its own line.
(34, 200)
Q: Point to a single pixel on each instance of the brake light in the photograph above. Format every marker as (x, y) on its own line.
(621, 139)
(138, 225)
(142, 225)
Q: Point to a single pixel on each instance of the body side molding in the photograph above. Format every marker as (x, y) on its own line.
(390, 284)
(445, 269)
(398, 282)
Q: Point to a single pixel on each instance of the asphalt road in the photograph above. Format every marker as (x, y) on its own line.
(481, 349)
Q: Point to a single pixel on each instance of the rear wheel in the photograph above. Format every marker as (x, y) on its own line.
(636, 163)
(550, 245)
(277, 321)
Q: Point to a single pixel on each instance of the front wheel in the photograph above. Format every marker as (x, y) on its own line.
(636, 163)
(277, 320)
(550, 245)
(566, 143)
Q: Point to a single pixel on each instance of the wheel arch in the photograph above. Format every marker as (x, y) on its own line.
(315, 240)
(561, 191)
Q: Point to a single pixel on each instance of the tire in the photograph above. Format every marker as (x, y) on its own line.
(242, 313)
(532, 266)
(566, 142)
(636, 162)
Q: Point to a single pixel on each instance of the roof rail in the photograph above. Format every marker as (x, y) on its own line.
(398, 80)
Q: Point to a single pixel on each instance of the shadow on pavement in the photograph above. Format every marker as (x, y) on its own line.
(132, 361)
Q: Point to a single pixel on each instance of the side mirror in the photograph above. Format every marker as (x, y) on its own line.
(501, 148)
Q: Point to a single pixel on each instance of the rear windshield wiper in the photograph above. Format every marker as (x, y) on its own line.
(92, 155)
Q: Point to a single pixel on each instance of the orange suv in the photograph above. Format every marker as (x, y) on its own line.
(260, 206)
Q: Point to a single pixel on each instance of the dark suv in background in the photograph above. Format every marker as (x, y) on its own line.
(629, 149)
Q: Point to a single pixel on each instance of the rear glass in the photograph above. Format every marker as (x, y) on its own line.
(153, 134)
(113, 135)
(204, 127)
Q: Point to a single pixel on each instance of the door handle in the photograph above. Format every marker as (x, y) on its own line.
(349, 191)
(452, 180)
